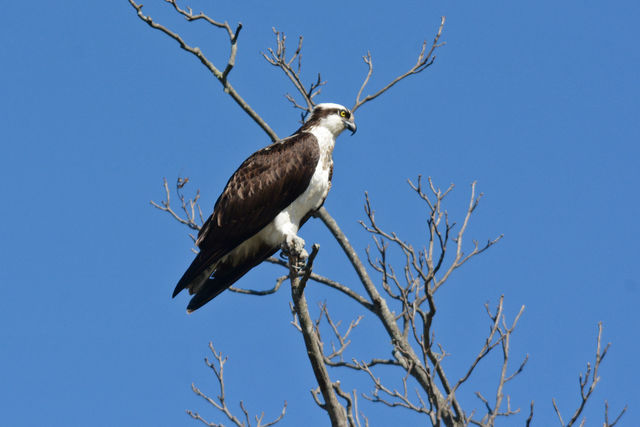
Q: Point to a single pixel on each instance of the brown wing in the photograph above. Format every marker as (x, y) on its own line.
(264, 185)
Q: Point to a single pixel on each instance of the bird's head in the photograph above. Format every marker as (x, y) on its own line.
(333, 117)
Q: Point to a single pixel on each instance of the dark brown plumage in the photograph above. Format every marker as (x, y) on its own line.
(258, 191)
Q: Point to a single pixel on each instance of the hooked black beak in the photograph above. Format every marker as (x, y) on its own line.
(351, 126)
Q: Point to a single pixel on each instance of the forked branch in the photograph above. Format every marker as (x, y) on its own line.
(425, 59)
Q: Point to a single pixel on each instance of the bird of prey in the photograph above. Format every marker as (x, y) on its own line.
(267, 199)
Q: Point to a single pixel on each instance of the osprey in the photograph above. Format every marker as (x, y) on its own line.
(265, 202)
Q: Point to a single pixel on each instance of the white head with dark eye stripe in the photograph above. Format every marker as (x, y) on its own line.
(333, 117)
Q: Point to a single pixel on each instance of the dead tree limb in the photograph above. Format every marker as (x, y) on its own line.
(221, 76)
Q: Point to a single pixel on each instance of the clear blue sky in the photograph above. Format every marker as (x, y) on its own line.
(538, 101)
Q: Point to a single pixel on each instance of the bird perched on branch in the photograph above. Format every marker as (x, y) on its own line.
(271, 195)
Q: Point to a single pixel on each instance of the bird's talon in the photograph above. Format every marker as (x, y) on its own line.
(294, 247)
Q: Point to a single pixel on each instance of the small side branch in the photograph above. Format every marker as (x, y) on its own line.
(606, 415)
(587, 382)
(190, 208)
(342, 338)
(489, 343)
(500, 334)
(258, 293)
(425, 59)
(330, 283)
(291, 68)
(394, 398)
(505, 340)
(217, 366)
(530, 417)
(461, 258)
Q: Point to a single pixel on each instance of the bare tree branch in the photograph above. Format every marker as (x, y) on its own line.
(352, 406)
(334, 409)
(217, 366)
(587, 383)
(188, 207)
(424, 61)
(606, 415)
(460, 257)
(555, 407)
(489, 345)
(278, 58)
(505, 334)
(273, 290)
(530, 418)
(222, 76)
(343, 338)
(331, 283)
(398, 399)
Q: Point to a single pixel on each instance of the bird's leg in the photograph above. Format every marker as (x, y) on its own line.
(293, 247)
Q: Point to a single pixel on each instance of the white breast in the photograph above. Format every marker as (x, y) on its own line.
(287, 222)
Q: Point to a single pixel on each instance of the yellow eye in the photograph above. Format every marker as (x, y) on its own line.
(343, 113)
